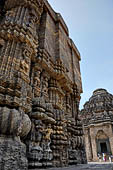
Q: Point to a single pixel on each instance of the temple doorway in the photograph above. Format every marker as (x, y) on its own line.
(103, 144)
(103, 147)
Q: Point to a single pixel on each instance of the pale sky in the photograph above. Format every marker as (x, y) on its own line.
(90, 24)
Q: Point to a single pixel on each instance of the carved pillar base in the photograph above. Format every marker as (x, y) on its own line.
(73, 157)
(79, 156)
(12, 154)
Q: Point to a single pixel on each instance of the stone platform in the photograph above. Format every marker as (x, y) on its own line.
(86, 167)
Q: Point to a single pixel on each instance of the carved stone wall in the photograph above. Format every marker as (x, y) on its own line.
(97, 118)
(40, 87)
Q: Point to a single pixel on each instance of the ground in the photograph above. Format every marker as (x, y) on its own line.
(87, 167)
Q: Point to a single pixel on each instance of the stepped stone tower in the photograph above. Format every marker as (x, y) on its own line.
(40, 87)
(97, 117)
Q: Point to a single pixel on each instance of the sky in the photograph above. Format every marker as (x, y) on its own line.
(90, 24)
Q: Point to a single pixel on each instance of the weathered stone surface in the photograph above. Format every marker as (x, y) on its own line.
(40, 87)
(12, 154)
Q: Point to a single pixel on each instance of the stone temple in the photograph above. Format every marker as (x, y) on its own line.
(97, 116)
(40, 87)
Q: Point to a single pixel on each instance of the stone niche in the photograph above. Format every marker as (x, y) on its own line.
(40, 87)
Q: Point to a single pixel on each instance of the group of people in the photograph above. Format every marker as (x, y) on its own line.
(103, 157)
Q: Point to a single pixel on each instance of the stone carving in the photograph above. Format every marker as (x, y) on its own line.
(35, 153)
(39, 97)
(26, 126)
(36, 83)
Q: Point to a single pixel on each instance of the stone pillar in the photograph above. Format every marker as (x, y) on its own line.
(93, 143)
(111, 137)
(88, 144)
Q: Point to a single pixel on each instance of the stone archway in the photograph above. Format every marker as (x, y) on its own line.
(103, 144)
